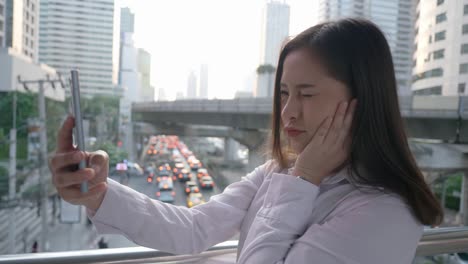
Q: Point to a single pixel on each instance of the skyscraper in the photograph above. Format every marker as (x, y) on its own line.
(275, 30)
(2, 23)
(20, 26)
(144, 68)
(204, 81)
(192, 86)
(127, 20)
(440, 61)
(80, 34)
(394, 18)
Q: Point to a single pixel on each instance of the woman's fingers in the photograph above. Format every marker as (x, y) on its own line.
(65, 136)
(322, 131)
(337, 124)
(347, 122)
(74, 195)
(66, 179)
(63, 160)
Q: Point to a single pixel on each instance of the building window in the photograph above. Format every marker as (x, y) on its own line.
(438, 54)
(464, 48)
(32, 19)
(439, 36)
(1, 9)
(465, 29)
(32, 46)
(437, 72)
(1, 25)
(461, 88)
(1, 41)
(435, 90)
(439, 2)
(465, 9)
(441, 18)
(463, 68)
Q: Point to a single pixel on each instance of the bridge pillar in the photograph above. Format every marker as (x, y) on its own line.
(230, 149)
(256, 158)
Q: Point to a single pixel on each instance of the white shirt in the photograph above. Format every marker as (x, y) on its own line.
(274, 213)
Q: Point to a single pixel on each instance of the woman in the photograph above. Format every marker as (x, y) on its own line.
(342, 186)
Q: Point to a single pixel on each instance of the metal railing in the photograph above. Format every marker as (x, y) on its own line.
(434, 242)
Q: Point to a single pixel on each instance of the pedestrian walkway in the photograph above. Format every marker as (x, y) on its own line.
(66, 237)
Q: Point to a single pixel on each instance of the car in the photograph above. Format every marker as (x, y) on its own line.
(191, 187)
(202, 172)
(194, 199)
(207, 182)
(185, 175)
(166, 196)
(195, 165)
(178, 168)
(165, 183)
(150, 178)
(134, 169)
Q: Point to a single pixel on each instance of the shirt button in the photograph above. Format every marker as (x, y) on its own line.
(268, 205)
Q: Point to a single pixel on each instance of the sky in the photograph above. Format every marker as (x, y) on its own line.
(183, 34)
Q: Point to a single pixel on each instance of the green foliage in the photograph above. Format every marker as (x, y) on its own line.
(115, 153)
(453, 185)
(3, 181)
(105, 106)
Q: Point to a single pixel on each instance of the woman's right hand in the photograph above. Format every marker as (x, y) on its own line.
(67, 179)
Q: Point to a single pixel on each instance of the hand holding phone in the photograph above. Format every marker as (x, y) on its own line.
(79, 134)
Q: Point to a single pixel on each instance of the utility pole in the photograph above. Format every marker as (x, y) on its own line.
(43, 176)
(12, 180)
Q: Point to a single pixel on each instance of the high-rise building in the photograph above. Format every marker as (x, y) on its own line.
(204, 81)
(144, 68)
(81, 35)
(20, 26)
(275, 30)
(394, 18)
(192, 86)
(127, 20)
(440, 61)
(2, 23)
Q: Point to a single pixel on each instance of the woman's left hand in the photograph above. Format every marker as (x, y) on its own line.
(329, 148)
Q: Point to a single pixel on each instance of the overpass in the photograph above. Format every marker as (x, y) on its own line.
(431, 117)
(247, 120)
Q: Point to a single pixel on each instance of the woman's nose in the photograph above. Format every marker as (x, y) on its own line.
(291, 109)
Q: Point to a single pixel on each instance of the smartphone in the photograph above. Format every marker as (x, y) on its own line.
(79, 134)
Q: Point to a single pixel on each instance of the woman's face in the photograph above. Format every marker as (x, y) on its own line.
(308, 96)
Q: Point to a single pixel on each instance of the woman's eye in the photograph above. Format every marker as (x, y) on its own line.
(284, 93)
(307, 95)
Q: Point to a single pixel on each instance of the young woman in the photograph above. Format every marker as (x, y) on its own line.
(341, 187)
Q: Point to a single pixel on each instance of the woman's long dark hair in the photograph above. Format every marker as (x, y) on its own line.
(355, 52)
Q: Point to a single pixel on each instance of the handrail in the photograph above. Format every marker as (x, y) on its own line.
(434, 241)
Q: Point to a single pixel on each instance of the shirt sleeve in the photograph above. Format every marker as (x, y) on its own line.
(283, 217)
(176, 229)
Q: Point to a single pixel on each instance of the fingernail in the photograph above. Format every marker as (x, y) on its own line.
(96, 168)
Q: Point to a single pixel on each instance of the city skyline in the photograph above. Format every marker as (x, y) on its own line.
(207, 32)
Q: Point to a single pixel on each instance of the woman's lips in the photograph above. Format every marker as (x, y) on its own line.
(294, 132)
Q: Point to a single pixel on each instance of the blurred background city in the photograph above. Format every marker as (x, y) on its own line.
(179, 94)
